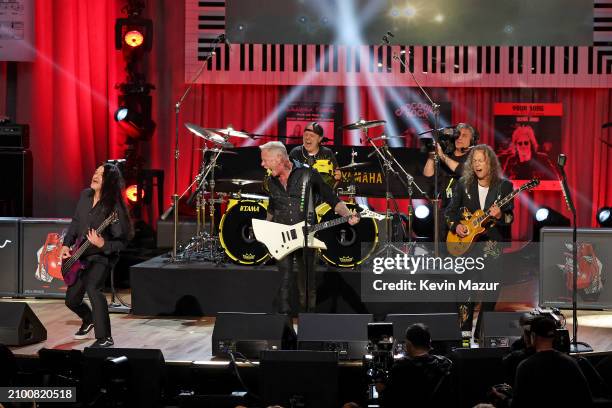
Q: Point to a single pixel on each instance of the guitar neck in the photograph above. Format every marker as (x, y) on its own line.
(328, 224)
(501, 203)
(86, 243)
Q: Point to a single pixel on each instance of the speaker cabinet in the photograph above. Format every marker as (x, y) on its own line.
(130, 377)
(500, 329)
(19, 326)
(9, 256)
(41, 241)
(346, 334)
(16, 191)
(251, 333)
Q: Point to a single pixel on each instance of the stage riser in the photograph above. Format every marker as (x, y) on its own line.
(203, 289)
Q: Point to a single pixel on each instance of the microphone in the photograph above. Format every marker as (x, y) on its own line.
(390, 34)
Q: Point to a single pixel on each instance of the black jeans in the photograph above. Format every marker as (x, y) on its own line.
(91, 281)
(288, 269)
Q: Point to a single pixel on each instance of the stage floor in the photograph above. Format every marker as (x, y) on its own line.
(189, 339)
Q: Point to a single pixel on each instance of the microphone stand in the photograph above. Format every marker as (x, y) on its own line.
(435, 108)
(177, 110)
(576, 346)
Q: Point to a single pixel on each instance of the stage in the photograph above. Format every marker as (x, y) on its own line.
(188, 339)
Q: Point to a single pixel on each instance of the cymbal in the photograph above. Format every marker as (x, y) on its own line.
(239, 182)
(385, 137)
(364, 124)
(253, 196)
(354, 165)
(229, 132)
(217, 151)
(207, 135)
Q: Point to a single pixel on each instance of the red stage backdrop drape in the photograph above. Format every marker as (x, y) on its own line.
(68, 97)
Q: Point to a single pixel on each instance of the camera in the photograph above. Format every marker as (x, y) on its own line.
(446, 138)
(378, 361)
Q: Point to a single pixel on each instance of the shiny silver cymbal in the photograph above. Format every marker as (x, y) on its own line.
(207, 135)
(354, 165)
(250, 196)
(239, 182)
(364, 124)
(229, 132)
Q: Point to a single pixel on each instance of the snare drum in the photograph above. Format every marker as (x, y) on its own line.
(236, 231)
(344, 241)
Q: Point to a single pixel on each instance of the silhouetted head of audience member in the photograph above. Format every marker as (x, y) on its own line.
(543, 330)
(418, 340)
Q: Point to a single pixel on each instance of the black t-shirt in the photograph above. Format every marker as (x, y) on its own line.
(550, 379)
(447, 178)
(325, 161)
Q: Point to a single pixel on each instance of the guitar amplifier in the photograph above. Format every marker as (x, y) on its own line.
(14, 137)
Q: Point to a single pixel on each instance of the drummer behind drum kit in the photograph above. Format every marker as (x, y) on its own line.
(340, 245)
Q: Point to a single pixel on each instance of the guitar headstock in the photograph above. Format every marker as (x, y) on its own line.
(534, 182)
(365, 213)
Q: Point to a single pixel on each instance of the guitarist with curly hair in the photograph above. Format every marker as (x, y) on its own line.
(480, 188)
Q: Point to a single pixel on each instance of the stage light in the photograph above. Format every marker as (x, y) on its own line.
(133, 38)
(604, 217)
(134, 116)
(422, 223)
(439, 18)
(541, 214)
(421, 211)
(121, 113)
(547, 217)
(131, 193)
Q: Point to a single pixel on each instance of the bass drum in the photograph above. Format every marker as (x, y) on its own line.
(344, 241)
(236, 231)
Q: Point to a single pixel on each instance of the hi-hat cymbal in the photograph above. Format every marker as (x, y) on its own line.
(354, 165)
(207, 135)
(239, 182)
(364, 124)
(229, 132)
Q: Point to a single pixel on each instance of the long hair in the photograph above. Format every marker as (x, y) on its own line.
(525, 130)
(111, 195)
(468, 170)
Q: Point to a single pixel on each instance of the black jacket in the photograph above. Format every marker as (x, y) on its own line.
(287, 206)
(467, 196)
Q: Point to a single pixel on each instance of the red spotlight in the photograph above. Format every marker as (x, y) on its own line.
(133, 38)
(131, 193)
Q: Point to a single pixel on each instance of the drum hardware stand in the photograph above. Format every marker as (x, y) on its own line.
(387, 169)
(435, 133)
(177, 110)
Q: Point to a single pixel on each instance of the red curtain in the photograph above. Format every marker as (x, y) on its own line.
(68, 97)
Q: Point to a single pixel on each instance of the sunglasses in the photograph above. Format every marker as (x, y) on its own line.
(523, 143)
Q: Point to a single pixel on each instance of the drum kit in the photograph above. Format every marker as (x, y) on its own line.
(347, 246)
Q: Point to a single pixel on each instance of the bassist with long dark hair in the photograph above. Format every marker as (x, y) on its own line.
(102, 201)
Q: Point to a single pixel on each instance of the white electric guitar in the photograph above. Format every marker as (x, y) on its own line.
(281, 239)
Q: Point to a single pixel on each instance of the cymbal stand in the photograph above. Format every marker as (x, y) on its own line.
(435, 108)
(388, 169)
(409, 184)
(177, 111)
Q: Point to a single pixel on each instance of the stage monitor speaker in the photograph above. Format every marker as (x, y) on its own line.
(299, 378)
(251, 333)
(346, 334)
(500, 329)
(443, 327)
(19, 326)
(165, 232)
(41, 242)
(9, 256)
(14, 137)
(16, 191)
(131, 377)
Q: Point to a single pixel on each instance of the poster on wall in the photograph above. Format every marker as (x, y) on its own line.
(17, 30)
(412, 117)
(299, 114)
(528, 139)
